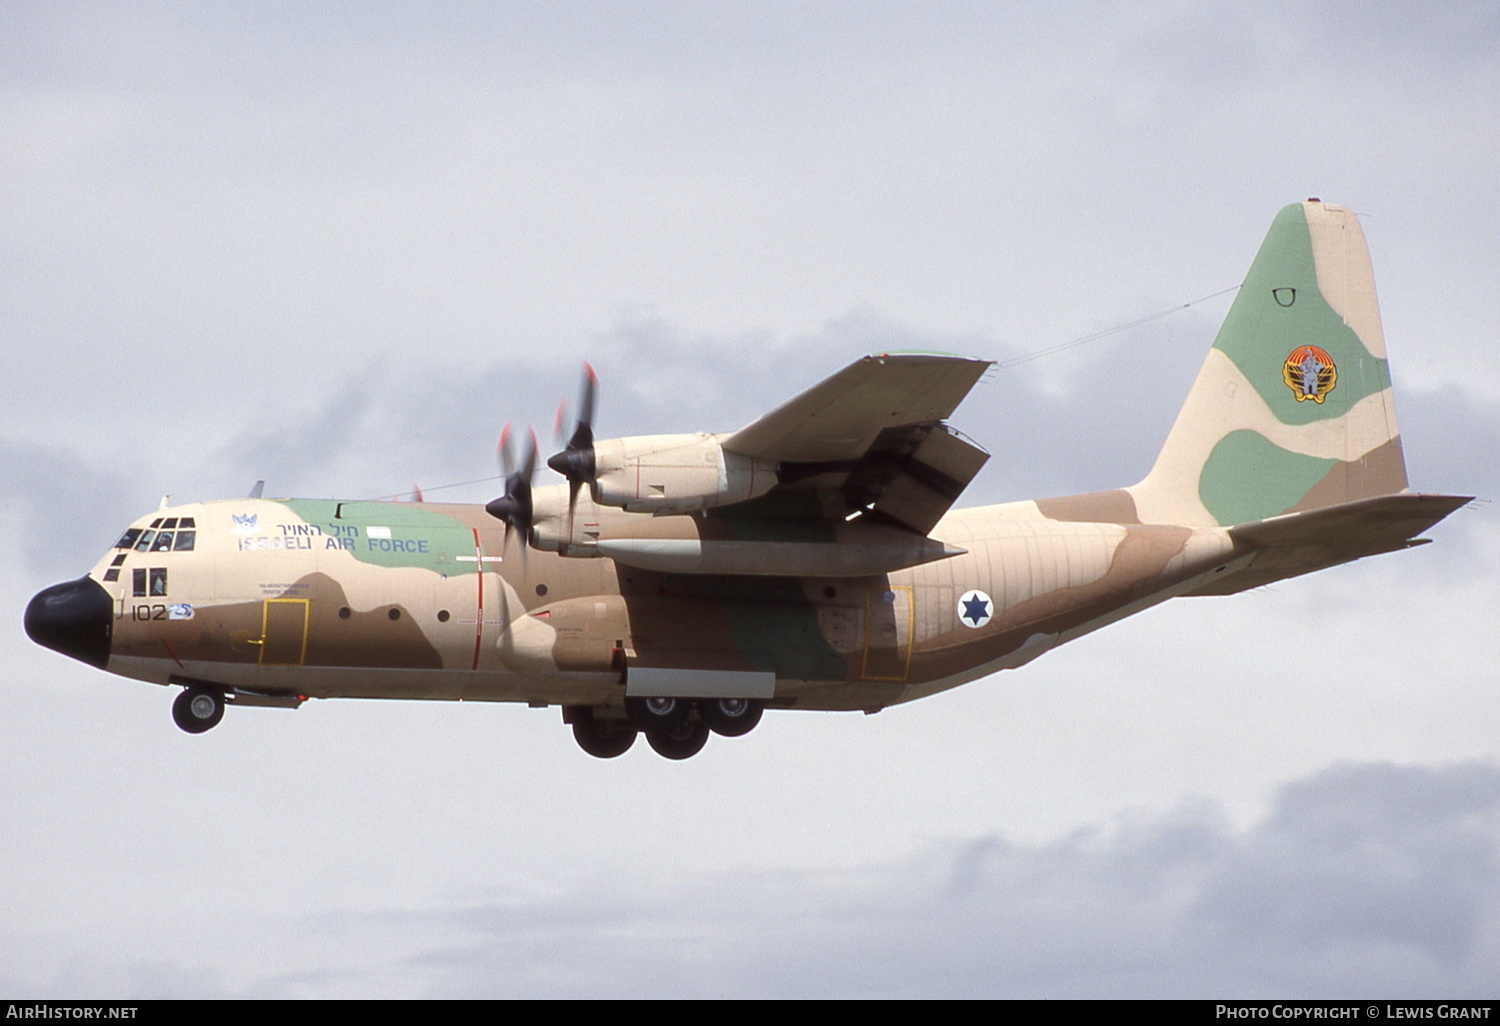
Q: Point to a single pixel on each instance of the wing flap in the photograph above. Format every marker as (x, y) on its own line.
(930, 480)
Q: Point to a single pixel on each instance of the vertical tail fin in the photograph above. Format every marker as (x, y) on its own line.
(1293, 408)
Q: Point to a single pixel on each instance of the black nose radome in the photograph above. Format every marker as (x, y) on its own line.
(74, 618)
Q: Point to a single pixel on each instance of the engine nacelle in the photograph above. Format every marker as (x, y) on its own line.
(551, 523)
(676, 474)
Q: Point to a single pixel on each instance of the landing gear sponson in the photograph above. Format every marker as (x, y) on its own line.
(668, 723)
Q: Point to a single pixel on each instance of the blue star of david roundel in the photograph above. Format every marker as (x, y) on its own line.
(975, 609)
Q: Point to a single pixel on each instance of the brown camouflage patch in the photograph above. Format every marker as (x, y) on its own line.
(1381, 471)
(1112, 507)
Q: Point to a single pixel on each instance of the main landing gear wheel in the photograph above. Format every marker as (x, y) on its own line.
(601, 737)
(198, 709)
(731, 717)
(680, 742)
(658, 714)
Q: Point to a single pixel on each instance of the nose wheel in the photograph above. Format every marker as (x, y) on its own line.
(198, 709)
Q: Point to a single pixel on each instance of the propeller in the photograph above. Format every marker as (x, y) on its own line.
(514, 507)
(576, 462)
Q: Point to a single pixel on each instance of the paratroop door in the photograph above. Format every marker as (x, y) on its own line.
(888, 615)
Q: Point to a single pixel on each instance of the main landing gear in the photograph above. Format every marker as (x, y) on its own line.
(198, 708)
(670, 726)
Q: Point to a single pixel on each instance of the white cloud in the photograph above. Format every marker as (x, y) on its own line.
(1363, 880)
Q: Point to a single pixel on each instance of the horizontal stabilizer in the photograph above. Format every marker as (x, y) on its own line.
(1299, 543)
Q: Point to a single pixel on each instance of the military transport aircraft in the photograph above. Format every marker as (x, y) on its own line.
(677, 585)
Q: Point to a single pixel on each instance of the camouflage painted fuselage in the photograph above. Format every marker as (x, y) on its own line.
(728, 572)
(405, 600)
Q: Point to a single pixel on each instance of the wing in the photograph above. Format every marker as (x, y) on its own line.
(871, 441)
(840, 417)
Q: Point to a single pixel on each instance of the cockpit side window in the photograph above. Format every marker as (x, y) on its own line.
(148, 581)
(128, 538)
(184, 542)
(144, 545)
(163, 542)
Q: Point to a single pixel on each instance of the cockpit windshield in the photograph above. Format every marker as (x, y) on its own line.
(174, 534)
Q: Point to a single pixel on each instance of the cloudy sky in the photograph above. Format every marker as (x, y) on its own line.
(337, 248)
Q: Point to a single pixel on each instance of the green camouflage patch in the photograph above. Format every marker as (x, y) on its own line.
(785, 637)
(1279, 310)
(1248, 477)
(392, 534)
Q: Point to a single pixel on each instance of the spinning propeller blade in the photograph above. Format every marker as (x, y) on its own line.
(514, 506)
(576, 462)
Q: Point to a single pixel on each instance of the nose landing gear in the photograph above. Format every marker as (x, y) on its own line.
(198, 708)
